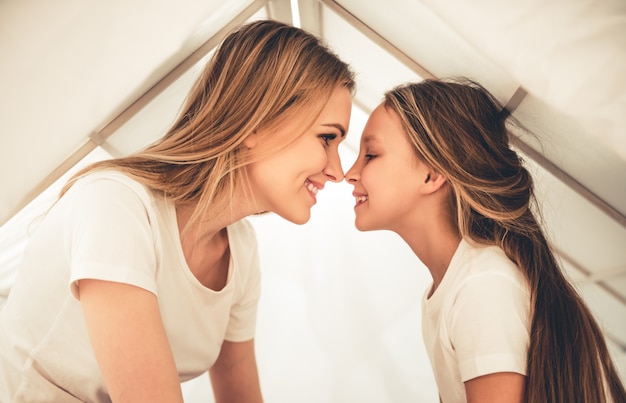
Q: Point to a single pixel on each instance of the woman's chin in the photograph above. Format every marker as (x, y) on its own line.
(298, 219)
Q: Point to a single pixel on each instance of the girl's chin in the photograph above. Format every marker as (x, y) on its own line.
(362, 226)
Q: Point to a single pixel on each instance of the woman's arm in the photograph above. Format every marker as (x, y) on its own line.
(501, 387)
(129, 341)
(234, 375)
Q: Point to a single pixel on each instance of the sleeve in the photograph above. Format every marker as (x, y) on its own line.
(107, 235)
(490, 324)
(242, 321)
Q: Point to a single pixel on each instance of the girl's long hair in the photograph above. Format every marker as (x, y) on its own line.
(264, 75)
(460, 129)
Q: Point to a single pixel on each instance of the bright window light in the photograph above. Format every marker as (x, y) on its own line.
(295, 13)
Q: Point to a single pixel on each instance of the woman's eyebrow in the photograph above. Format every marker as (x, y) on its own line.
(336, 126)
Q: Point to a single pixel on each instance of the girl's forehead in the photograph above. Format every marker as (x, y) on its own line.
(383, 127)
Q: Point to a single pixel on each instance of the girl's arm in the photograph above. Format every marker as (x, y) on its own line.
(234, 375)
(129, 341)
(502, 387)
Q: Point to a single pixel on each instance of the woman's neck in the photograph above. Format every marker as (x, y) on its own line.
(207, 224)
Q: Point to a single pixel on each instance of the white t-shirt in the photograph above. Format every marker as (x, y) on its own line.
(477, 322)
(110, 227)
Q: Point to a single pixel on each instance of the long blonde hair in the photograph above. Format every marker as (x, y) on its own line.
(263, 75)
(460, 129)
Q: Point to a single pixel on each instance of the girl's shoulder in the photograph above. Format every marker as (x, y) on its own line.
(487, 258)
(483, 265)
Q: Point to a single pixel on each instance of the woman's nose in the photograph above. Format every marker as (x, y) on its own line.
(333, 169)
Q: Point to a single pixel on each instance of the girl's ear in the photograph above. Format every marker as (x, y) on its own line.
(433, 181)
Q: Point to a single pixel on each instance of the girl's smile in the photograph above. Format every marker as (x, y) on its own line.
(360, 198)
(385, 174)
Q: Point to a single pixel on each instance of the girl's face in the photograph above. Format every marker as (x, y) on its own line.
(386, 176)
(287, 182)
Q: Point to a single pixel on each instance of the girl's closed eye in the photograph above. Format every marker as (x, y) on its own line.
(328, 138)
(369, 154)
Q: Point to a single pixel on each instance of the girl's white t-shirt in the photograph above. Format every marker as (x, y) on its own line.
(110, 227)
(477, 322)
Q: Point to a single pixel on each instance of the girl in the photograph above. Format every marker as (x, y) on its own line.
(144, 273)
(500, 321)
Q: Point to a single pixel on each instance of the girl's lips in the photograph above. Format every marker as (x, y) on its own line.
(360, 198)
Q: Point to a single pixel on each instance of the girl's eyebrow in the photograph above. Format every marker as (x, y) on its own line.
(336, 126)
(369, 138)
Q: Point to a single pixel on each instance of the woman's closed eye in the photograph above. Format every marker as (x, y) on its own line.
(328, 138)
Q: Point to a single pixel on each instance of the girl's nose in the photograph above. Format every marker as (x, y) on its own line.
(352, 175)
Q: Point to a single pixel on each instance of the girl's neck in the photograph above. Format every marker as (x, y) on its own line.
(434, 247)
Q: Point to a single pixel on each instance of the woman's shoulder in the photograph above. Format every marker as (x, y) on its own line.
(108, 193)
(100, 186)
(113, 179)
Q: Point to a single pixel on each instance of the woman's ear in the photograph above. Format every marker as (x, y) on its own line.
(252, 140)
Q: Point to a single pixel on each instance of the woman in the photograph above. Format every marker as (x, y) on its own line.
(500, 322)
(145, 273)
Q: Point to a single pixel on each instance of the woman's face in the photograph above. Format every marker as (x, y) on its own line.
(386, 175)
(287, 182)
